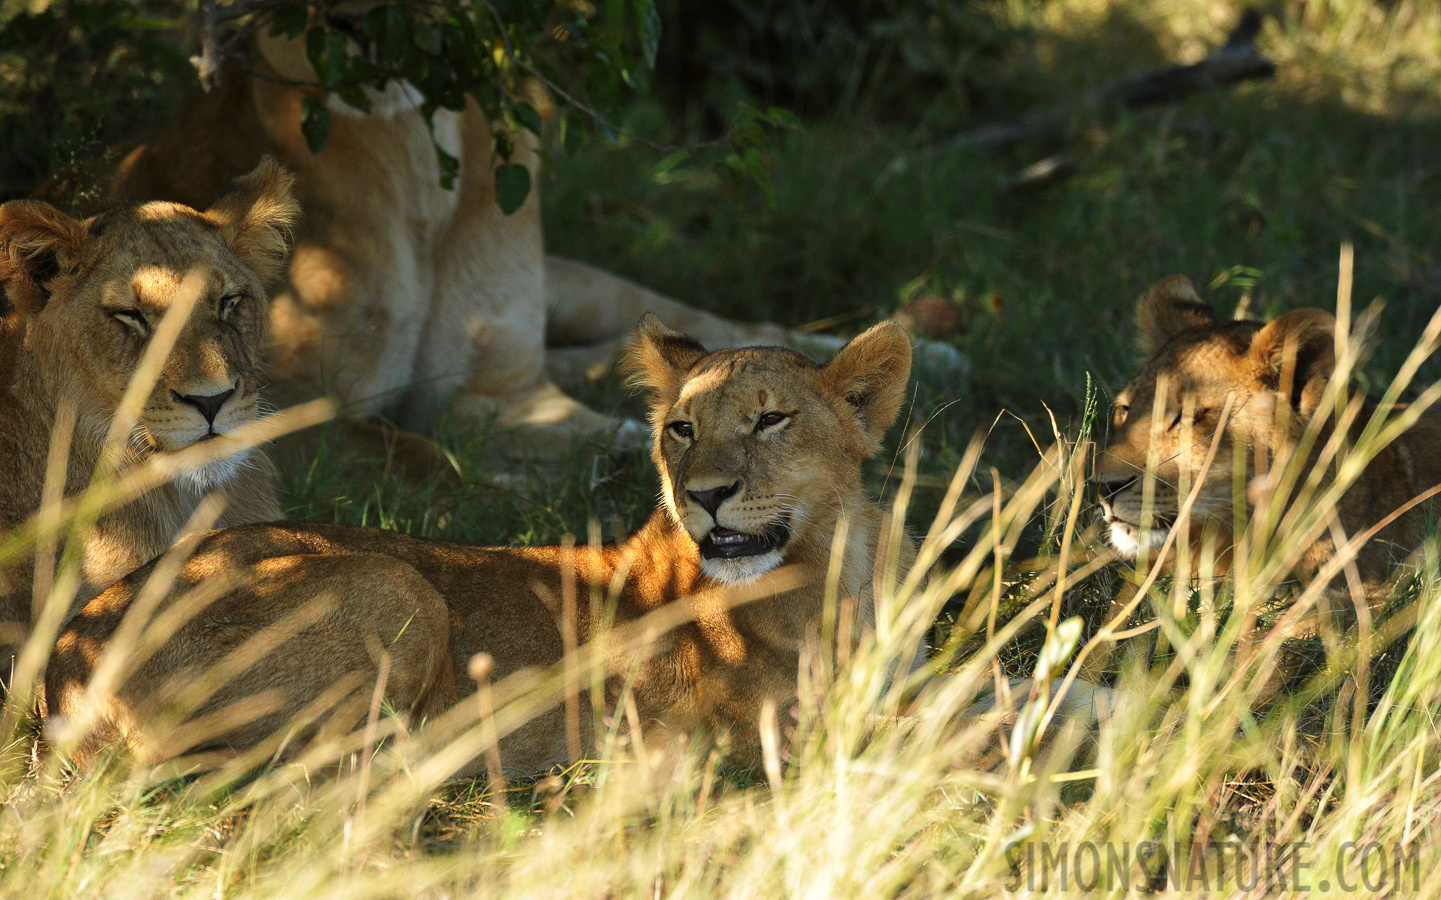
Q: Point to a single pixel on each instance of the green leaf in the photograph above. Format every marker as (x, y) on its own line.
(512, 186)
(354, 97)
(288, 20)
(675, 158)
(427, 38)
(315, 47)
(650, 29)
(783, 118)
(526, 115)
(503, 146)
(389, 27)
(326, 51)
(316, 124)
(571, 135)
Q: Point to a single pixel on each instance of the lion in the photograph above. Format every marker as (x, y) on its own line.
(759, 452)
(404, 297)
(1269, 380)
(86, 298)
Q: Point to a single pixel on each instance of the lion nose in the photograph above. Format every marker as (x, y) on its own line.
(208, 404)
(711, 500)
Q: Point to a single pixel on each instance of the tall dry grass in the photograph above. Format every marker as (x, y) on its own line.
(1176, 776)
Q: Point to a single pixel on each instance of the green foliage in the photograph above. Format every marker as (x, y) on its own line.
(105, 70)
(78, 75)
(482, 51)
(919, 61)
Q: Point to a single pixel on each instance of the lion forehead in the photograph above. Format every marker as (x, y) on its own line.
(738, 382)
(1204, 370)
(155, 259)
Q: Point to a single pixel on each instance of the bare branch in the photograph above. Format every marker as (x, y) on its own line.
(207, 64)
(1235, 61)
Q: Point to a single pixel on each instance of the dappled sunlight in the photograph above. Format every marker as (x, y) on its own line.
(1168, 649)
(1374, 59)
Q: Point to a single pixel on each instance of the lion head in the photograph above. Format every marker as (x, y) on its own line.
(90, 295)
(759, 449)
(1258, 383)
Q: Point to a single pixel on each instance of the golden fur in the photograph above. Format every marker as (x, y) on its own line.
(760, 454)
(402, 294)
(1273, 375)
(86, 297)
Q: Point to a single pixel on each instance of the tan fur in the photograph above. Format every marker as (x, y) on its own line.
(400, 293)
(86, 295)
(1274, 375)
(783, 437)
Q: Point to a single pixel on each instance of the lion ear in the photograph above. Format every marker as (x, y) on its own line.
(37, 243)
(658, 359)
(1297, 354)
(1168, 308)
(871, 374)
(255, 216)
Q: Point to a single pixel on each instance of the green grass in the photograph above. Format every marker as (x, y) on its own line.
(1251, 190)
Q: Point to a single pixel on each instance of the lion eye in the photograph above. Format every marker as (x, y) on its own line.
(770, 419)
(133, 319)
(227, 304)
(682, 430)
(1122, 412)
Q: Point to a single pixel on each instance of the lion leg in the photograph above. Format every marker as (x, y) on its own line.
(299, 649)
(592, 313)
(483, 349)
(589, 306)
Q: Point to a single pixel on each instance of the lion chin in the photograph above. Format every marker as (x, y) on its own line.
(735, 572)
(213, 475)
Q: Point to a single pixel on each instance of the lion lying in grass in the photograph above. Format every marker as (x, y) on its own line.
(87, 297)
(1269, 382)
(760, 454)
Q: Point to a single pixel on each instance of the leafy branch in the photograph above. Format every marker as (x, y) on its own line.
(494, 52)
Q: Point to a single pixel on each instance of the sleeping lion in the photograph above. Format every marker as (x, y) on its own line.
(87, 297)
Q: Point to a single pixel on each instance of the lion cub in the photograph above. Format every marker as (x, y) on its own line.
(759, 452)
(85, 299)
(1273, 375)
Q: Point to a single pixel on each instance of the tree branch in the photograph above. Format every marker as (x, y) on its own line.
(1235, 61)
(207, 64)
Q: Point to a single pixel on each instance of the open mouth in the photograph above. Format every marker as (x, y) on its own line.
(724, 543)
